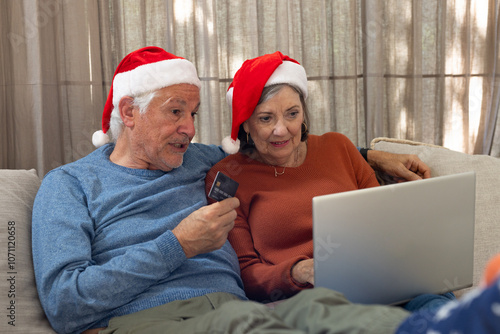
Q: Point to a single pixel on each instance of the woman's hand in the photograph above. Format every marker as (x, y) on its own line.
(303, 271)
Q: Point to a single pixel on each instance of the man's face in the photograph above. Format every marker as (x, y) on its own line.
(160, 136)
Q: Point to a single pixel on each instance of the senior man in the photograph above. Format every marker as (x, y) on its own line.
(124, 241)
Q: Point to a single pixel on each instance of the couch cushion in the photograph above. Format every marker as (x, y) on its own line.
(18, 296)
(443, 161)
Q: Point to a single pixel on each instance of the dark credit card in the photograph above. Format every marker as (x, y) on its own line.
(223, 187)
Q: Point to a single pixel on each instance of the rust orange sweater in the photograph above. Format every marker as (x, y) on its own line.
(273, 229)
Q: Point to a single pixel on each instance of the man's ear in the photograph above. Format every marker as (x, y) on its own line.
(126, 108)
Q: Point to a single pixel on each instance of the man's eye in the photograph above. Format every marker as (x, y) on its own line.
(176, 111)
(193, 114)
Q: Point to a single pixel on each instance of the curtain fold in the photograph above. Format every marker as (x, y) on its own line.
(422, 70)
(488, 97)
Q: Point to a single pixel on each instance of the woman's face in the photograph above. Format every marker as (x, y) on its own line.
(275, 127)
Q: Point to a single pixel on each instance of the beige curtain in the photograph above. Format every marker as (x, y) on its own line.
(51, 82)
(425, 70)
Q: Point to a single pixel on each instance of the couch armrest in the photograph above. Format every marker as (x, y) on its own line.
(20, 307)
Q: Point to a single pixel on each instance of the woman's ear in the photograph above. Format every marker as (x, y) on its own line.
(126, 107)
(245, 126)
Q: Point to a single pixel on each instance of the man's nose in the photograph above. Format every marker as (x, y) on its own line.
(187, 126)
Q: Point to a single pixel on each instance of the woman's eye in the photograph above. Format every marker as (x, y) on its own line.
(265, 119)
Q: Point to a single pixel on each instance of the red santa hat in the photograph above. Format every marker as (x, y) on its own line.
(141, 71)
(244, 92)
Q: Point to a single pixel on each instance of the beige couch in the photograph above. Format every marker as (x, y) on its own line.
(19, 303)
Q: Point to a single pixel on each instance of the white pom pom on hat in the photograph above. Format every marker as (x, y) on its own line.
(230, 146)
(244, 92)
(99, 138)
(141, 71)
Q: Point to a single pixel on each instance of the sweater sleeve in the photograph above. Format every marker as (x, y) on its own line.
(264, 282)
(73, 289)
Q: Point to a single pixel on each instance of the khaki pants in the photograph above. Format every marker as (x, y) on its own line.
(311, 311)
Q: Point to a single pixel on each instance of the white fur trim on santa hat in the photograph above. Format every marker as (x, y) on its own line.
(230, 146)
(153, 76)
(100, 138)
(290, 73)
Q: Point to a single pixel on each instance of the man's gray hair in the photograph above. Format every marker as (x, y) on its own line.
(141, 101)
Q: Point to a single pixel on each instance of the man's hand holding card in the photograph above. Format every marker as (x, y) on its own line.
(206, 229)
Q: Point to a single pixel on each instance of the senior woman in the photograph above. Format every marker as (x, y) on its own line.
(280, 167)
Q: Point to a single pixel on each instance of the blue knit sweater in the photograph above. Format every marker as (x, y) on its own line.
(102, 240)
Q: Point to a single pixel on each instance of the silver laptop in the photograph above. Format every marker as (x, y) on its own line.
(388, 244)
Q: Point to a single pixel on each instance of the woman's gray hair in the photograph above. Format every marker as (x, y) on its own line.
(141, 101)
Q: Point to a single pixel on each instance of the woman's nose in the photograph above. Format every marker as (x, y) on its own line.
(280, 129)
